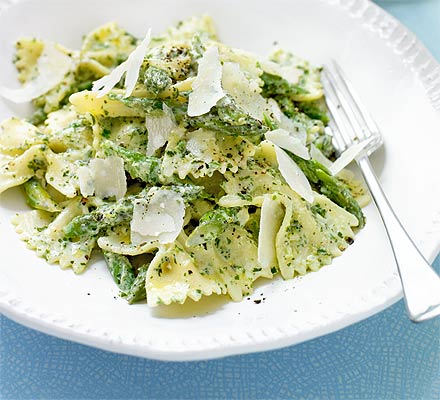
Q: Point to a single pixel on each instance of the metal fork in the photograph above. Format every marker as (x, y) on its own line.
(353, 124)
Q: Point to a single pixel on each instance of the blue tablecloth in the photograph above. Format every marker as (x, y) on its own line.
(383, 357)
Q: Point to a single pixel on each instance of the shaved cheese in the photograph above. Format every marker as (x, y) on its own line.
(134, 63)
(287, 141)
(109, 177)
(207, 88)
(159, 129)
(348, 156)
(245, 92)
(293, 175)
(317, 155)
(52, 66)
(158, 220)
(268, 153)
(130, 67)
(275, 109)
(288, 72)
(86, 181)
(272, 214)
(248, 62)
(103, 177)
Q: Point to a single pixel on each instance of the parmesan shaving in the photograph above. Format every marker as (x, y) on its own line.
(159, 129)
(286, 141)
(275, 109)
(272, 214)
(52, 66)
(86, 181)
(207, 88)
(288, 72)
(130, 67)
(293, 175)
(158, 220)
(317, 155)
(348, 156)
(245, 92)
(103, 177)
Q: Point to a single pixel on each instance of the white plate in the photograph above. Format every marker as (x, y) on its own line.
(398, 80)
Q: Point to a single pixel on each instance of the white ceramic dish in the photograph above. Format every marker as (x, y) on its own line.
(398, 80)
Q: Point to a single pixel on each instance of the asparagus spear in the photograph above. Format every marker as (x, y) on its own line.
(145, 104)
(136, 164)
(227, 118)
(275, 85)
(330, 186)
(316, 109)
(137, 291)
(113, 214)
(132, 287)
(37, 196)
(103, 217)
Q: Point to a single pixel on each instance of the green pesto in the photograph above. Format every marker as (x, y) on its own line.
(212, 224)
(156, 80)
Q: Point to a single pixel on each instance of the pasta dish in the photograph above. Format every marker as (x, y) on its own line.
(194, 167)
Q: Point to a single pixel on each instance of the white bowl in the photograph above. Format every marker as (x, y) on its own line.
(399, 82)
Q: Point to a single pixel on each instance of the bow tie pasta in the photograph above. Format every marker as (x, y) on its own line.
(196, 168)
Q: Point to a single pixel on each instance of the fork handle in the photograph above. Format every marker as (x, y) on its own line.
(421, 284)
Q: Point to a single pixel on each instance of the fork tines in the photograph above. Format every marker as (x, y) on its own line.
(351, 122)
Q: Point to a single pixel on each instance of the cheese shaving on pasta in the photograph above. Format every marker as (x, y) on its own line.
(244, 91)
(348, 156)
(293, 175)
(159, 129)
(130, 68)
(206, 89)
(52, 65)
(317, 155)
(286, 141)
(103, 177)
(272, 214)
(159, 219)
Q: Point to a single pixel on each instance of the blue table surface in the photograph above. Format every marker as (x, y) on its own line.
(383, 357)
